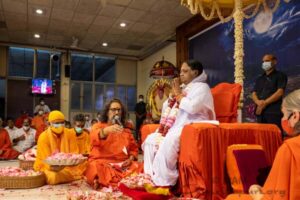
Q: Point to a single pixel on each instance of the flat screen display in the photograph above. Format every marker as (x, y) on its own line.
(42, 86)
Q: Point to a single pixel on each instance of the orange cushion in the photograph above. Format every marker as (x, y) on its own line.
(232, 165)
(146, 130)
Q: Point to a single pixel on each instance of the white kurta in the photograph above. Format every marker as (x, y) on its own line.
(161, 162)
(11, 132)
(29, 141)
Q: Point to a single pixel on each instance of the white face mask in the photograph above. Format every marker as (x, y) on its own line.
(26, 128)
(42, 103)
(267, 65)
(141, 100)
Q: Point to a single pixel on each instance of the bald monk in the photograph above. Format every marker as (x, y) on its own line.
(283, 182)
(6, 150)
(114, 149)
(82, 135)
(57, 139)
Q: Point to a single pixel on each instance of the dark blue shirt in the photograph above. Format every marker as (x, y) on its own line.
(267, 85)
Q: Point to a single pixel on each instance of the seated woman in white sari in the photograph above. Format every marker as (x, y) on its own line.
(192, 103)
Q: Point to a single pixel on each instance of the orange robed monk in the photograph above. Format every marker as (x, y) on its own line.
(113, 148)
(57, 139)
(283, 182)
(6, 150)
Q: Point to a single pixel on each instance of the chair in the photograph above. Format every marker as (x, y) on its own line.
(244, 163)
(226, 98)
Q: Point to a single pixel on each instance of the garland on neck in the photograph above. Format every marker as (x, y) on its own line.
(168, 116)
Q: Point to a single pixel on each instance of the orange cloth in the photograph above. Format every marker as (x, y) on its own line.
(226, 98)
(50, 143)
(6, 147)
(146, 130)
(202, 154)
(38, 123)
(113, 149)
(83, 141)
(19, 121)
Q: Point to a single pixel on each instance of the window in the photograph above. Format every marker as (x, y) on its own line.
(87, 97)
(131, 97)
(20, 62)
(43, 64)
(75, 101)
(105, 69)
(81, 67)
(99, 97)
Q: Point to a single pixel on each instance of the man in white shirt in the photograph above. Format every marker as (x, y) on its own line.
(41, 106)
(10, 128)
(195, 104)
(24, 138)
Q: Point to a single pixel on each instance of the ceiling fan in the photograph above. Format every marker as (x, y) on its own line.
(74, 45)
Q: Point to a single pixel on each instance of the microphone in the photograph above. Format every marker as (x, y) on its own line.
(117, 120)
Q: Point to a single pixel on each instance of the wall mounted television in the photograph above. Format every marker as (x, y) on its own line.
(42, 86)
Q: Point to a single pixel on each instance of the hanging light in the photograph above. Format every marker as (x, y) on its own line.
(163, 69)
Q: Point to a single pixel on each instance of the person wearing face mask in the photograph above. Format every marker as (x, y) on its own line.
(283, 180)
(113, 148)
(11, 128)
(6, 150)
(140, 113)
(57, 139)
(38, 123)
(268, 92)
(82, 135)
(25, 137)
(88, 122)
(42, 105)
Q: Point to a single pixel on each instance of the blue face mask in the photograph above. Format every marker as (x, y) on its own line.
(78, 129)
(266, 66)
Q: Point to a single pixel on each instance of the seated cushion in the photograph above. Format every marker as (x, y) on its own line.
(243, 164)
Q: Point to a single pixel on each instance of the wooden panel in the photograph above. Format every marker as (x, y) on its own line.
(193, 26)
(19, 97)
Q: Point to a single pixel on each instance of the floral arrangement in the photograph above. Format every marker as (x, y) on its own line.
(18, 172)
(65, 159)
(105, 194)
(28, 155)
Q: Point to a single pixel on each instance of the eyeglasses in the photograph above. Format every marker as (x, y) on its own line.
(115, 109)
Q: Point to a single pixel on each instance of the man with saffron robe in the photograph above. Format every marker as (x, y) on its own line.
(38, 123)
(193, 103)
(6, 150)
(82, 135)
(114, 149)
(57, 139)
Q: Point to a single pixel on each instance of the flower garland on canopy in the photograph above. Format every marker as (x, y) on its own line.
(197, 6)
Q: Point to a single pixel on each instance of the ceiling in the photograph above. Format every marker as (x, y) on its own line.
(150, 24)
